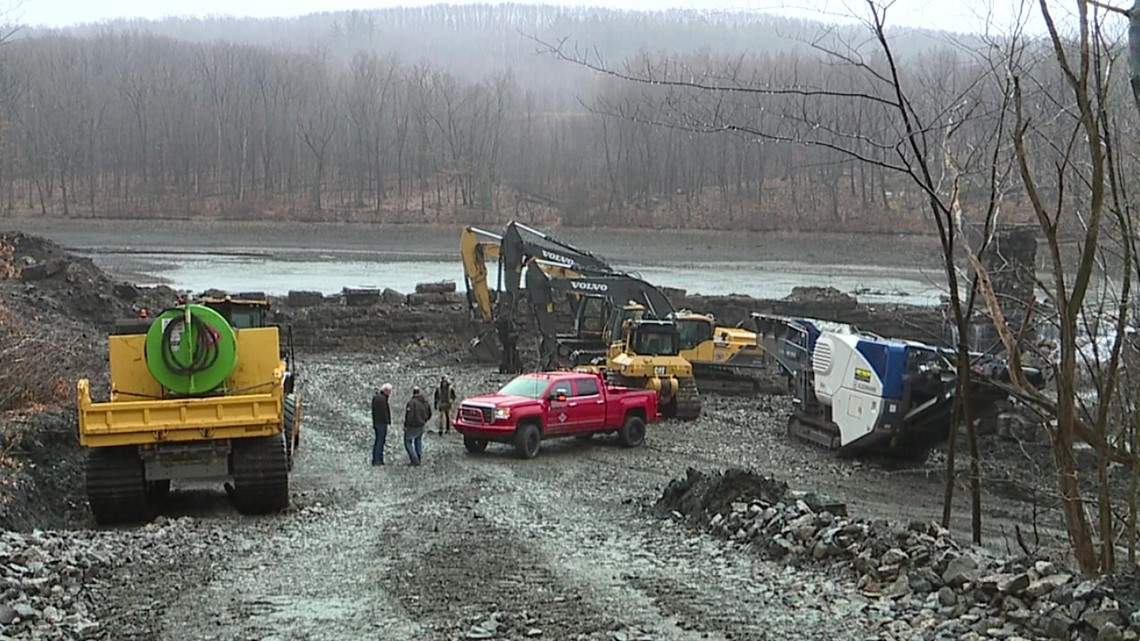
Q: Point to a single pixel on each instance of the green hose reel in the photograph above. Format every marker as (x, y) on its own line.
(191, 349)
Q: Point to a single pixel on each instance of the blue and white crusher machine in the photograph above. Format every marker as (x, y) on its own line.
(865, 395)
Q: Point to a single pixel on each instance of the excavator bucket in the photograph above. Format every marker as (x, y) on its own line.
(485, 347)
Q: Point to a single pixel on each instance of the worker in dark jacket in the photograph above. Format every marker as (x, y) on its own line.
(444, 401)
(381, 419)
(416, 417)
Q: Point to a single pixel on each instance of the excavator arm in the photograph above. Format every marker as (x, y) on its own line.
(518, 246)
(475, 247)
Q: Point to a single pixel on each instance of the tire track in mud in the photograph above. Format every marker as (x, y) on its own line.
(316, 571)
(465, 576)
(662, 580)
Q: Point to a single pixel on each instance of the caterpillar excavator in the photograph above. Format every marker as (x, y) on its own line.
(724, 359)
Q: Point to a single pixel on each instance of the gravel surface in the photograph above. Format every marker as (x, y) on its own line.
(565, 546)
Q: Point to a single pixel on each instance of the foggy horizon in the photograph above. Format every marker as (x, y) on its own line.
(968, 16)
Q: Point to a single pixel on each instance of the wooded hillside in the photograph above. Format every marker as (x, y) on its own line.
(445, 113)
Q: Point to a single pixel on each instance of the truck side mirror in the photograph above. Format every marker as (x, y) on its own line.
(557, 395)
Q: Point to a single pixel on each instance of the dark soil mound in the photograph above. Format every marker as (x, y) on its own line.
(700, 495)
(41, 471)
(56, 309)
(43, 282)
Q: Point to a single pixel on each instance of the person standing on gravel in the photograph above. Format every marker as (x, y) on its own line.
(444, 401)
(381, 419)
(416, 416)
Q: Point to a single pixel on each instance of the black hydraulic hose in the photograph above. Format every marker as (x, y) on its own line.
(204, 351)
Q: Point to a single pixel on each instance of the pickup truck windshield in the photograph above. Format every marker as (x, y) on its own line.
(528, 387)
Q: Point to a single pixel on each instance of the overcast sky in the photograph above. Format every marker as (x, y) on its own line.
(952, 15)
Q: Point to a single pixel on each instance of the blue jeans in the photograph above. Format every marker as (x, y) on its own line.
(414, 443)
(378, 444)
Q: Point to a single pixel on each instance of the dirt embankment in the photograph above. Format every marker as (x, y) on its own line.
(55, 312)
(443, 319)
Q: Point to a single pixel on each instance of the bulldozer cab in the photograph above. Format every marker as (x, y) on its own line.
(251, 310)
(653, 338)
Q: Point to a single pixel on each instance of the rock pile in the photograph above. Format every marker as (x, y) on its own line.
(921, 582)
(49, 580)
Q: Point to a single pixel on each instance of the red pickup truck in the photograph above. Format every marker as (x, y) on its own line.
(534, 407)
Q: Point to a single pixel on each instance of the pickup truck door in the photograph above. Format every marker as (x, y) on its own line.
(558, 419)
(587, 407)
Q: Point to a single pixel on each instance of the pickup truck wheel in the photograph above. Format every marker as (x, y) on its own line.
(632, 432)
(528, 440)
(474, 445)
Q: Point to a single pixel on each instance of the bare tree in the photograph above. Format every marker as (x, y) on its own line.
(922, 125)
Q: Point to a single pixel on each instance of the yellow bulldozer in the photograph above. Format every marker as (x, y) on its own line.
(204, 390)
(645, 353)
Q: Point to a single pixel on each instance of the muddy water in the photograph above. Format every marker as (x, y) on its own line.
(277, 276)
(277, 258)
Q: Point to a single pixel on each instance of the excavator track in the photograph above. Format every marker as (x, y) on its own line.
(260, 470)
(116, 486)
(688, 400)
(726, 381)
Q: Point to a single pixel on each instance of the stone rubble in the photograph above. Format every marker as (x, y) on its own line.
(49, 580)
(920, 582)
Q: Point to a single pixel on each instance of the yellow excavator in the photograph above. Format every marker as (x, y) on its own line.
(725, 359)
(513, 252)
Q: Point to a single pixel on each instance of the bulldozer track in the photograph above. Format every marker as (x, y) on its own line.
(688, 400)
(116, 486)
(260, 470)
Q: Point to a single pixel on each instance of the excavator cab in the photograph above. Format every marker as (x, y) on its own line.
(694, 329)
(617, 326)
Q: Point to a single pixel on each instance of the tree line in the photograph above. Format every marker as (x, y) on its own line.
(137, 124)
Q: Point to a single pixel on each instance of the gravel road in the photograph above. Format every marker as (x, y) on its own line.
(489, 546)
